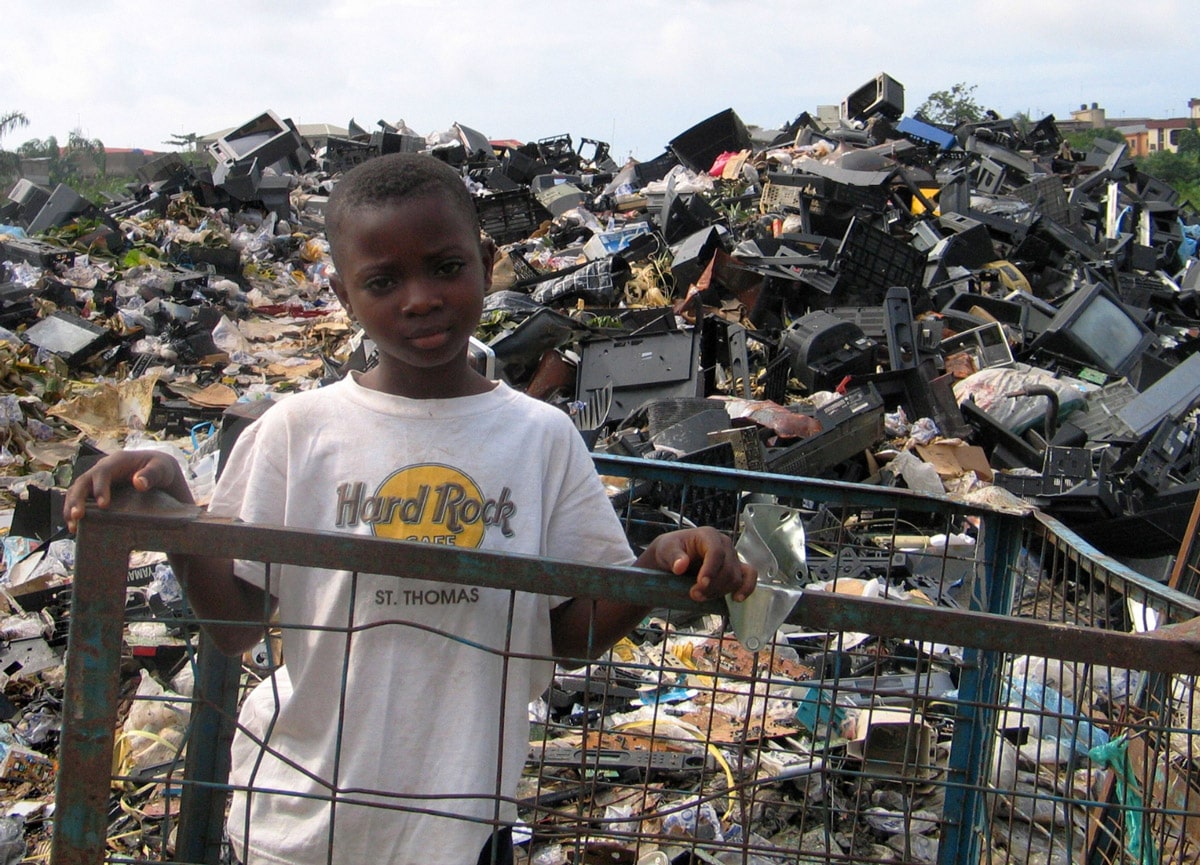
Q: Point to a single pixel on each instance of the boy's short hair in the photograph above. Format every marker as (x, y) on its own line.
(390, 179)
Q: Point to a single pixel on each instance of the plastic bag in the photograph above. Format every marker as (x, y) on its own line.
(598, 282)
(229, 339)
(991, 390)
(917, 474)
(699, 822)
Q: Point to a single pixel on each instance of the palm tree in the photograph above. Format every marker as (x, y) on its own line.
(11, 120)
(65, 164)
(10, 163)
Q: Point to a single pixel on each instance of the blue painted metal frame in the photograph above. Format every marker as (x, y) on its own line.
(106, 539)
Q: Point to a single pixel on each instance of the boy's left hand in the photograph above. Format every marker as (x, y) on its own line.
(706, 553)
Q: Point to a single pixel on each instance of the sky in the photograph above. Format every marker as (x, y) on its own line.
(634, 74)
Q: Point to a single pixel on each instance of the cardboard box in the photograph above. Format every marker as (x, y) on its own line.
(893, 743)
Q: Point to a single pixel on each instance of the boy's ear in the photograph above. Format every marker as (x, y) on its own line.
(335, 283)
(488, 250)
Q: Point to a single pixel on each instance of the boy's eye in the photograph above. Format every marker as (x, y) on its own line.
(450, 268)
(379, 284)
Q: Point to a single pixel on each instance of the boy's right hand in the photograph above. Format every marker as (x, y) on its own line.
(142, 470)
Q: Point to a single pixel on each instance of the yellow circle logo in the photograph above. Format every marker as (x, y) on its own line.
(432, 503)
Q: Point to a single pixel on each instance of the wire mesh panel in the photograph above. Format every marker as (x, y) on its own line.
(1117, 740)
(954, 685)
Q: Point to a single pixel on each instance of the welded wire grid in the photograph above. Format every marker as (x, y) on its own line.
(682, 746)
(1106, 759)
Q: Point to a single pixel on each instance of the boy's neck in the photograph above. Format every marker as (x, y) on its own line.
(457, 383)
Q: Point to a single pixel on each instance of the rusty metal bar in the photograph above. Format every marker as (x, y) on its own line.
(155, 522)
(1109, 571)
(162, 524)
(90, 699)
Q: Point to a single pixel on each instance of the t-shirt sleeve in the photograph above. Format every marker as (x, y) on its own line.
(583, 526)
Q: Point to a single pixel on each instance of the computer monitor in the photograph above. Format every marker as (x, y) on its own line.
(1096, 329)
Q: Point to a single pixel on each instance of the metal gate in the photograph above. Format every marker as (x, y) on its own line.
(965, 685)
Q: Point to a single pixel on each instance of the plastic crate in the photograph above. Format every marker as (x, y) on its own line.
(777, 197)
(1049, 196)
(1138, 290)
(509, 216)
(698, 147)
(870, 261)
(775, 377)
(809, 185)
(342, 154)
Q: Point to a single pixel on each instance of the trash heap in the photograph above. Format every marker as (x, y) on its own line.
(979, 312)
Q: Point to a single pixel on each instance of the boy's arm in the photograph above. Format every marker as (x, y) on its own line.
(580, 629)
(212, 589)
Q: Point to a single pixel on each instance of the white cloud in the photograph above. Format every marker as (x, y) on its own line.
(133, 73)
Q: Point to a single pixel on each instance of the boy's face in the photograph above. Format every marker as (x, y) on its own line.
(414, 273)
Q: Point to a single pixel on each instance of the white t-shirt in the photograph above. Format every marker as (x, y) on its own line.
(420, 715)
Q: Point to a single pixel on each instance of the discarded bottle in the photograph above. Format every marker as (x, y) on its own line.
(772, 540)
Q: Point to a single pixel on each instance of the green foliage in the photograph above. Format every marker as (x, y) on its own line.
(80, 164)
(1082, 140)
(1170, 168)
(12, 120)
(10, 163)
(184, 141)
(98, 189)
(1189, 141)
(1180, 171)
(952, 107)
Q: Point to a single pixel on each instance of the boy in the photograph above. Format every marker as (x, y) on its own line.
(419, 447)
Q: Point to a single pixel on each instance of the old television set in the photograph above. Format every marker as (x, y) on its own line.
(1095, 329)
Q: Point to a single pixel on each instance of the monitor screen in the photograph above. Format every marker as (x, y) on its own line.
(1106, 331)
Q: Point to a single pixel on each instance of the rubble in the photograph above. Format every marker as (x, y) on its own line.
(878, 300)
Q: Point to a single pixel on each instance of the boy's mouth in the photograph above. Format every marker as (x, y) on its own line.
(429, 340)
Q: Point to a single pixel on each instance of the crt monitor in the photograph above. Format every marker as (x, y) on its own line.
(1096, 329)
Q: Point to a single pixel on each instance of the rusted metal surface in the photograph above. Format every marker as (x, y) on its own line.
(141, 525)
(90, 699)
(838, 493)
(990, 638)
(1109, 571)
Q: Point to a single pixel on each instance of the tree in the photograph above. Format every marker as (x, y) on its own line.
(82, 150)
(952, 107)
(1173, 169)
(68, 164)
(10, 121)
(10, 163)
(184, 141)
(1189, 141)
(1083, 138)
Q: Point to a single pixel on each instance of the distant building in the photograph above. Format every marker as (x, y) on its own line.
(1137, 138)
(1089, 118)
(1164, 134)
(1143, 135)
(117, 162)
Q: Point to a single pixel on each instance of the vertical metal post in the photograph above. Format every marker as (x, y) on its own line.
(90, 699)
(978, 690)
(206, 767)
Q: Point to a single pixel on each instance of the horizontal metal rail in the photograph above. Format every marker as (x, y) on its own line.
(156, 522)
(1110, 572)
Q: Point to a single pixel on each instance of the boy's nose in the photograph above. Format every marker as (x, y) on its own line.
(421, 297)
